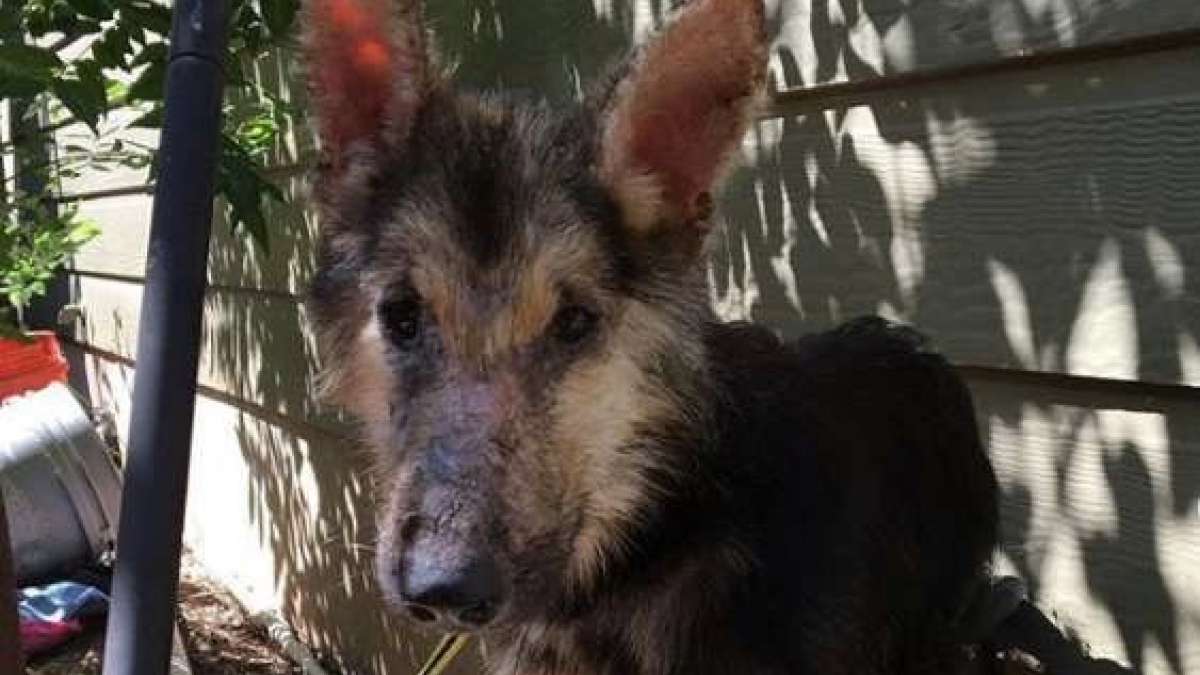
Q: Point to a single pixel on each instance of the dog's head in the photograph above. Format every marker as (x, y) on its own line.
(510, 298)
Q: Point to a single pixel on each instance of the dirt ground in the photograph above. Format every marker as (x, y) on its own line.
(220, 639)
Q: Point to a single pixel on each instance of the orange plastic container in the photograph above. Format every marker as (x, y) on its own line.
(30, 365)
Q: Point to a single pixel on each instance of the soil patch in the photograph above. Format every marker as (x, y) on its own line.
(220, 638)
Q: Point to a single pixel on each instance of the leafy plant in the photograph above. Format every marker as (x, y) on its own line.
(89, 70)
(30, 255)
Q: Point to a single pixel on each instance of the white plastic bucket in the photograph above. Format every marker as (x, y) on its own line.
(61, 489)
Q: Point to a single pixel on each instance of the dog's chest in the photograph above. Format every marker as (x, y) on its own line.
(658, 640)
(538, 649)
(674, 625)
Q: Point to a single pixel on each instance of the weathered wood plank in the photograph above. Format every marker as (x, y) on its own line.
(254, 345)
(824, 41)
(1042, 221)
(75, 142)
(1101, 512)
(234, 259)
(120, 248)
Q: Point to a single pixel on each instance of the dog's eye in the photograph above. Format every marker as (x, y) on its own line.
(574, 324)
(402, 320)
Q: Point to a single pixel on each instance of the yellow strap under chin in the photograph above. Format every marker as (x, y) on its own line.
(444, 654)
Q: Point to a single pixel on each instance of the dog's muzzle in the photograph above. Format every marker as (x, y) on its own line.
(465, 591)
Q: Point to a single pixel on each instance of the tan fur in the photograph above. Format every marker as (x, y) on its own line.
(602, 408)
(343, 356)
(529, 283)
(547, 265)
(640, 197)
(508, 660)
(369, 376)
(655, 631)
(704, 73)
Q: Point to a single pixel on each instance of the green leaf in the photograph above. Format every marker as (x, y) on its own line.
(84, 95)
(29, 60)
(148, 16)
(235, 72)
(82, 232)
(246, 189)
(13, 86)
(35, 248)
(151, 84)
(35, 16)
(9, 328)
(95, 9)
(26, 70)
(113, 48)
(250, 32)
(66, 20)
(279, 15)
(117, 90)
(156, 52)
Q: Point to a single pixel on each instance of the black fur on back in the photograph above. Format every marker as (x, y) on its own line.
(839, 526)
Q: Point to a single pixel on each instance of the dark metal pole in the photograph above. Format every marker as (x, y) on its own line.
(10, 638)
(152, 506)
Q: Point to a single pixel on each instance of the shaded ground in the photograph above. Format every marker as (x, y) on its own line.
(220, 639)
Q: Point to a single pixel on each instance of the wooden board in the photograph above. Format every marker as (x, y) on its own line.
(235, 260)
(1101, 511)
(254, 347)
(825, 41)
(1041, 221)
(75, 142)
(120, 248)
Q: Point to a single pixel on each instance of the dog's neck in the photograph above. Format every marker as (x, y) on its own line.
(627, 632)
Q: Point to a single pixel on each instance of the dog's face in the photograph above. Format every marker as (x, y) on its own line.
(511, 299)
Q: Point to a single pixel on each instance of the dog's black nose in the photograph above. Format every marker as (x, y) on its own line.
(469, 592)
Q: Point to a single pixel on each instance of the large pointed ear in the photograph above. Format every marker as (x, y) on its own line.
(368, 71)
(679, 110)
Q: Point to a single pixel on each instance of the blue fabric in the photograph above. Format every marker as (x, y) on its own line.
(60, 601)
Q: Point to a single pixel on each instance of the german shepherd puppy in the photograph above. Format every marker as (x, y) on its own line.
(580, 462)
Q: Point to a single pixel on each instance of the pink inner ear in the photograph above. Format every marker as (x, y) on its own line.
(686, 106)
(351, 68)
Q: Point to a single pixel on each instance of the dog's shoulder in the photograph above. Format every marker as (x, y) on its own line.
(860, 352)
(872, 360)
(865, 389)
(864, 344)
